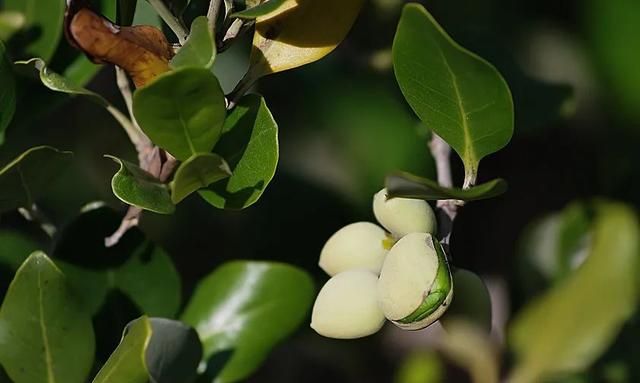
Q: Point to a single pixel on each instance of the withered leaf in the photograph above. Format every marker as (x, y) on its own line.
(142, 51)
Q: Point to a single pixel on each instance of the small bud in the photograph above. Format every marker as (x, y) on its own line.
(347, 306)
(415, 286)
(402, 216)
(360, 245)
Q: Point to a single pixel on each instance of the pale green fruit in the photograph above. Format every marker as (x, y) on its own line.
(415, 286)
(347, 306)
(360, 245)
(402, 216)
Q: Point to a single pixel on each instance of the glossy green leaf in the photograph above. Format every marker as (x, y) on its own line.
(10, 23)
(127, 363)
(609, 26)
(44, 18)
(462, 97)
(569, 326)
(153, 349)
(200, 49)
(136, 187)
(199, 171)
(182, 111)
(7, 92)
(402, 184)
(44, 335)
(471, 301)
(243, 309)
(249, 143)
(27, 177)
(267, 9)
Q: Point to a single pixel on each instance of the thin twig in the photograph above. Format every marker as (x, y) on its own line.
(447, 209)
(176, 25)
(213, 13)
(34, 214)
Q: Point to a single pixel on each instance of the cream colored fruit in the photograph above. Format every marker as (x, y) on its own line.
(347, 306)
(402, 216)
(360, 245)
(415, 286)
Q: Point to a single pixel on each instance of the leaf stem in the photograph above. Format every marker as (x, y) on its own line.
(213, 13)
(176, 25)
(447, 209)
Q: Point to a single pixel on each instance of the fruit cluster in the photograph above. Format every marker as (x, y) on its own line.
(400, 274)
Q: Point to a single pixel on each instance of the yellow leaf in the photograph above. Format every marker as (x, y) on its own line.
(301, 34)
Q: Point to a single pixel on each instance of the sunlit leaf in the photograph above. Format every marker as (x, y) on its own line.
(153, 349)
(198, 172)
(142, 51)
(182, 111)
(44, 19)
(243, 309)
(462, 97)
(200, 49)
(28, 177)
(249, 143)
(569, 326)
(303, 34)
(402, 184)
(44, 335)
(7, 92)
(136, 187)
(266, 10)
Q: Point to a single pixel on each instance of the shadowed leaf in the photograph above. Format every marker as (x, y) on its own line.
(401, 184)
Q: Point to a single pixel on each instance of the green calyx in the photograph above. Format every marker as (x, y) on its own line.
(438, 292)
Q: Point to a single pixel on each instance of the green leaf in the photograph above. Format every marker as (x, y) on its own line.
(136, 187)
(45, 19)
(269, 8)
(249, 143)
(471, 301)
(28, 177)
(565, 329)
(153, 349)
(402, 184)
(459, 95)
(420, 367)
(199, 171)
(243, 309)
(200, 49)
(127, 363)
(44, 335)
(182, 111)
(7, 92)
